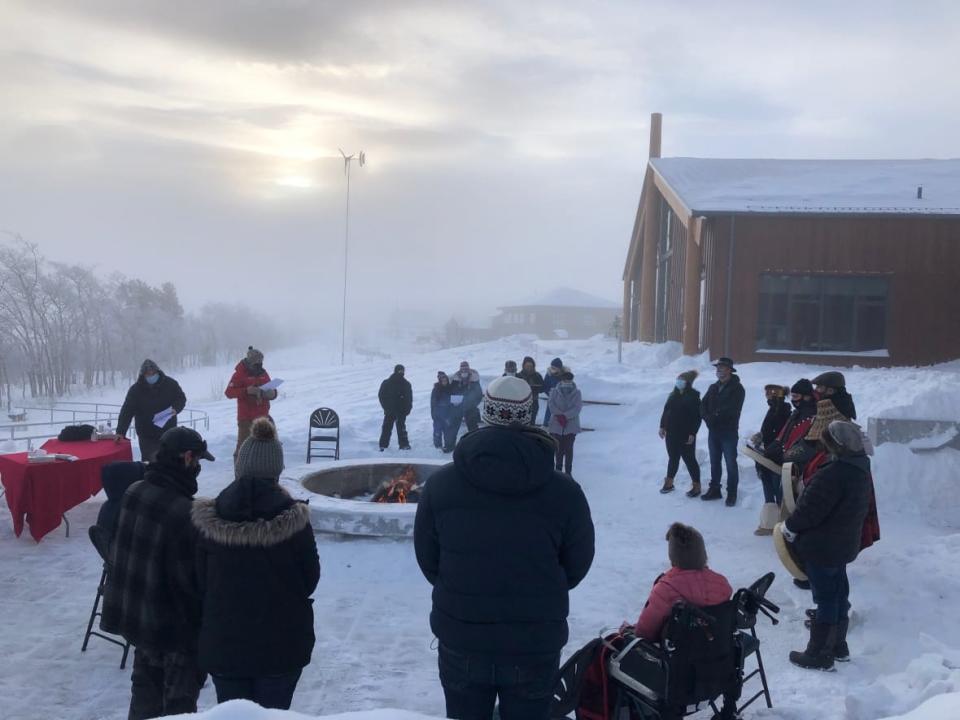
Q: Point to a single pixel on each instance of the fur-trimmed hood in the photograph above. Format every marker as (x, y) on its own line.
(258, 532)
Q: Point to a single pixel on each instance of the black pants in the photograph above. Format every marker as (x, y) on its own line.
(164, 684)
(473, 683)
(387, 431)
(148, 447)
(831, 592)
(269, 691)
(772, 485)
(564, 461)
(677, 449)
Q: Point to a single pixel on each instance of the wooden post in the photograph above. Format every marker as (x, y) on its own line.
(691, 289)
(651, 217)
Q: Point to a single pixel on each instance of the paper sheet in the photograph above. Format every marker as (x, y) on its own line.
(163, 417)
(456, 399)
(272, 385)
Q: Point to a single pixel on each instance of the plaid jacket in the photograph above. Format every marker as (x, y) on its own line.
(152, 597)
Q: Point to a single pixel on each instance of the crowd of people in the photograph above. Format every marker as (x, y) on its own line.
(502, 533)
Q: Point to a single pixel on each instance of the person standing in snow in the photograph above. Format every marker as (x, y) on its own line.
(778, 413)
(550, 381)
(565, 404)
(152, 597)
(152, 393)
(720, 410)
(257, 566)
(832, 386)
(679, 425)
(440, 410)
(503, 538)
(510, 368)
(528, 372)
(396, 399)
(244, 387)
(826, 529)
(465, 397)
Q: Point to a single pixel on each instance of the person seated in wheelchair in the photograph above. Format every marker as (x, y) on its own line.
(688, 580)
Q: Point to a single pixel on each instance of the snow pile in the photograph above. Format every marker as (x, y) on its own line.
(244, 710)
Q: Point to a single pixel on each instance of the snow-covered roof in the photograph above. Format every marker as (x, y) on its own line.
(566, 297)
(841, 187)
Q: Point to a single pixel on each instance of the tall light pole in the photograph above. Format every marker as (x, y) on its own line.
(347, 162)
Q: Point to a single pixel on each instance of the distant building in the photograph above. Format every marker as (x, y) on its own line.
(562, 313)
(820, 261)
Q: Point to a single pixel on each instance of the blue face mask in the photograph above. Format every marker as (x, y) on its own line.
(681, 384)
(151, 379)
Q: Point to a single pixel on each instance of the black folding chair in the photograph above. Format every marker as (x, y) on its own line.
(100, 541)
(750, 602)
(325, 430)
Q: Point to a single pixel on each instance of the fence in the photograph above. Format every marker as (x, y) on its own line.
(22, 428)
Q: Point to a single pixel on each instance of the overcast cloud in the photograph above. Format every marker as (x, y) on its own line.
(197, 141)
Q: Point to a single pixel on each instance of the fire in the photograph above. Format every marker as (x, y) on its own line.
(399, 488)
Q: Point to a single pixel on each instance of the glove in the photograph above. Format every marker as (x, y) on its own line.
(788, 535)
(663, 433)
(562, 419)
(756, 440)
(254, 390)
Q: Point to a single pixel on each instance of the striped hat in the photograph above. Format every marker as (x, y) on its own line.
(508, 401)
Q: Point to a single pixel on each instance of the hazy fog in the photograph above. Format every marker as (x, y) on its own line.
(197, 141)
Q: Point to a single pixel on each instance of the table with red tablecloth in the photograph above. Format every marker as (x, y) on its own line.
(41, 493)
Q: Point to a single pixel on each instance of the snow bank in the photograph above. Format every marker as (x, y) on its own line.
(244, 710)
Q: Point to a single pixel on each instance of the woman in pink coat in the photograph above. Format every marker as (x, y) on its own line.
(689, 579)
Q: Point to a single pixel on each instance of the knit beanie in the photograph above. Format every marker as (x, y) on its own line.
(508, 400)
(398, 369)
(261, 454)
(802, 387)
(843, 438)
(685, 547)
(254, 356)
(556, 363)
(149, 366)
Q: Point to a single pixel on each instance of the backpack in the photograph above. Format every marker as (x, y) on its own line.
(76, 433)
(583, 685)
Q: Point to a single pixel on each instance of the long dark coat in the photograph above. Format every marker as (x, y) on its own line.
(144, 400)
(681, 414)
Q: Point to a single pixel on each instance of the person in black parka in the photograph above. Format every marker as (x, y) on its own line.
(257, 566)
(826, 529)
(679, 425)
(720, 409)
(117, 477)
(152, 393)
(396, 399)
(440, 409)
(503, 538)
(778, 413)
(528, 372)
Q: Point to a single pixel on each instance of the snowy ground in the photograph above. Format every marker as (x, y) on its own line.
(374, 647)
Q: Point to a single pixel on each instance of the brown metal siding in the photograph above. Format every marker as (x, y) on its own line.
(920, 255)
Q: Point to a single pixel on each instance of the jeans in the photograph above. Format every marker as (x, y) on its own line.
(677, 449)
(439, 431)
(473, 683)
(269, 691)
(163, 684)
(772, 485)
(831, 592)
(723, 447)
(564, 460)
(387, 430)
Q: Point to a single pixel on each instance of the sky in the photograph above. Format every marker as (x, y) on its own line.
(197, 142)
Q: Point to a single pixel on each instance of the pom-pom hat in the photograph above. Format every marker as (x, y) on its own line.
(508, 401)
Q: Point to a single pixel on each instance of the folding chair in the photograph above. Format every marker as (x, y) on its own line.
(751, 601)
(99, 539)
(327, 422)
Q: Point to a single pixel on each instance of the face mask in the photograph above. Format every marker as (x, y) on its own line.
(817, 396)
(151, 379)
(194, 470)
(680, 384)
(795, 403)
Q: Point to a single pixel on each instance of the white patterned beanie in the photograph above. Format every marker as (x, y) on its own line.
(508, 401)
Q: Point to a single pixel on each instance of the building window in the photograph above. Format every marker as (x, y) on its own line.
(817, 313)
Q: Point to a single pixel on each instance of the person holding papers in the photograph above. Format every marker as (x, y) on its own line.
(152, 404)
(253, 390)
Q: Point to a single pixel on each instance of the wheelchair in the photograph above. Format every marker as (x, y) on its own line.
(700, 661)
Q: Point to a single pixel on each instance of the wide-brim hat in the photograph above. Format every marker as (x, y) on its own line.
(826, 413)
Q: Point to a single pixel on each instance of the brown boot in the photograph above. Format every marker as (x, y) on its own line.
(667, 486)
(694, 490)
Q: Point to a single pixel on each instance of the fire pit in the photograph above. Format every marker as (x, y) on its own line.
(376, 499)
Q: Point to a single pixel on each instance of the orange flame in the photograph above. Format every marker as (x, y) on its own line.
(397, 489)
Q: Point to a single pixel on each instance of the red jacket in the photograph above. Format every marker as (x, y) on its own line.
(697, 587)
(249, 407)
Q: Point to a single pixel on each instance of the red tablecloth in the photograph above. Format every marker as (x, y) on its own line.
(41, 493)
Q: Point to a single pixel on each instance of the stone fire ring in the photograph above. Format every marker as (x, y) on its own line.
(353, 478)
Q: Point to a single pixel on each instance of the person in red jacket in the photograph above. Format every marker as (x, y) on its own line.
(688, 580)
(244, 387)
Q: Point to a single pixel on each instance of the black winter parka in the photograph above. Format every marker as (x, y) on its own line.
(721, 406)
(144, 401)
(396, 395)
(503, 537)
(257, 566)
(830, 512)
(681, 414)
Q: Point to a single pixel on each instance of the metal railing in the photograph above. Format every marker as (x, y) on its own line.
(62, 414)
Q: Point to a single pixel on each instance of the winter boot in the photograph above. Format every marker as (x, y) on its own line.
(694, 490)
(811, 616)
(667, 486)
(819, 652)
(841, 652)
(802, 584)
(731, 498)
(712, 494)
